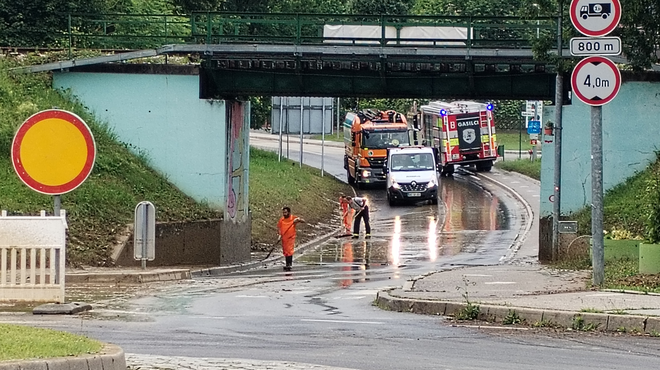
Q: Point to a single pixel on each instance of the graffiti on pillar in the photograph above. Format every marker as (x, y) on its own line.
(237, 157)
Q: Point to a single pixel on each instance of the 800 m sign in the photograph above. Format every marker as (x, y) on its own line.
(583, 46)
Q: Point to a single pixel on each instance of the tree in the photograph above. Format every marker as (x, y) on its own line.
(640, 32)
(468, 7)
(40, 22)
(375, 7)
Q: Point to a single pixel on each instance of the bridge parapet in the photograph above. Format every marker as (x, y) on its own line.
(142, 31)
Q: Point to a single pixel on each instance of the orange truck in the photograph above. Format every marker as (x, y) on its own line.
(462, 132)
(367, 136)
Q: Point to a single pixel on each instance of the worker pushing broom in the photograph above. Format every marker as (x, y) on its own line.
(286, 228)
(353, 204)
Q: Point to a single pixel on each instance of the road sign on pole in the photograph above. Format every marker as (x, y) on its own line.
(53, 152)
(144, 233)
(595, 17)
(534, 127)
(596, 80)
(583, 46)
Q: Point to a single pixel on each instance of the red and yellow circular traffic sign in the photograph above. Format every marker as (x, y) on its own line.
(53, 152)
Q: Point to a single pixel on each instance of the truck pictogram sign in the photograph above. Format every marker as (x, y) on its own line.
(595, 18)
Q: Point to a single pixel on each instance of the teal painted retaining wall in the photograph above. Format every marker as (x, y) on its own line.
(162, 117)
(631, 134)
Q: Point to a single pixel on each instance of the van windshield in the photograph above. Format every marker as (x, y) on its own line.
(385, 139)
(412, 162)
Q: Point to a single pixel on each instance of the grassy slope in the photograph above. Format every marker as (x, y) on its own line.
(275, 184)
(626, 206)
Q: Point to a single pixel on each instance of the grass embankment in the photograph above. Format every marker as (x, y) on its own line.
(626, 210)
(21, 342)
(524, 166)
(513, 140)
(275, 184)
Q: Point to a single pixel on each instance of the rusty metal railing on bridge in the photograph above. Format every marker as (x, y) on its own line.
(124, 31)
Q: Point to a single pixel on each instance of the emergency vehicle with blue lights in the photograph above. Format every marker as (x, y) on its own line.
(461, 132)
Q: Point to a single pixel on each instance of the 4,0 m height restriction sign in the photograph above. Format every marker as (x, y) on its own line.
(596, 80)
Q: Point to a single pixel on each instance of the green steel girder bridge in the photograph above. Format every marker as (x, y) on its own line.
(244, 54)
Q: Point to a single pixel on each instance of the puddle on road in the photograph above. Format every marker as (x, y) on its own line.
(474, 220)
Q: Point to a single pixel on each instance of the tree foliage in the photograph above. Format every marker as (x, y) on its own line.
(389, 7)
(468, 7)
(640, 31)
(40, 22)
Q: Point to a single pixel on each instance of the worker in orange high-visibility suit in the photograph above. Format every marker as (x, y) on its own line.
(286, 227)
(346, 214)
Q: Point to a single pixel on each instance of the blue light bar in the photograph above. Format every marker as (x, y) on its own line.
(489, 106)
(443, 112)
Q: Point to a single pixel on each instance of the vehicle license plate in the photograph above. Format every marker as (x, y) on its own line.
(414, 194)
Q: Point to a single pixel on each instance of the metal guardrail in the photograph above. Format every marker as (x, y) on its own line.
(150, 31)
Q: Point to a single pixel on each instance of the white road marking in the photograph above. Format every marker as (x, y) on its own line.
(366, 291)
(250, 296)
(482, 275)
(603, 294)
(345, 321)
(499, 282)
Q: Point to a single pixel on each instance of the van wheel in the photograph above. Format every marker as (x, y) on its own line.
(391, 200)
(434, 200)
(448, 170)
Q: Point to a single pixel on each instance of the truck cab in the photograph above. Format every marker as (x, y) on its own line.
(367, 136)
(411, 175)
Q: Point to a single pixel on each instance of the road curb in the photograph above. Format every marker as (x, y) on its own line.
(531, 316)
(111, 357)
(123, 277)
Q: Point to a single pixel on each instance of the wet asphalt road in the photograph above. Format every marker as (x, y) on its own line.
(321, 313)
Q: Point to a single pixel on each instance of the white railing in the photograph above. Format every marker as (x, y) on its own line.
(32, 257)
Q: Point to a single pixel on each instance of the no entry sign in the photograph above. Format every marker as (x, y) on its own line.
(53, 152)
(595, 17)
(596, 80)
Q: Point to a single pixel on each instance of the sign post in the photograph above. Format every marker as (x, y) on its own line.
(595, 81)
(144, 233)
(53, 153)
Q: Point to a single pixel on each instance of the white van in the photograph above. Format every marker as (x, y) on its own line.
(411, 175)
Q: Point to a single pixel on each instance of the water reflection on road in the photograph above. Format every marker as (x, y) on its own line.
(470, 225)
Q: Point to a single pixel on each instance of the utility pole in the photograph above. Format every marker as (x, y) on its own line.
(559, 97)
(598, 254)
